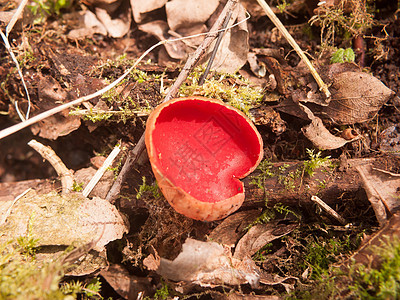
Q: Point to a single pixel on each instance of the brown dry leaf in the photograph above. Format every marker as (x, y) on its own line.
(140, 8)
(50, 93)
(116, 27)
(126, 285)
(317, 133)
(382, 191)
(274, 279)
(259, 235)
(158, 28)
(85, 24)
(64, 219)
(367, 254)
(233, 227)
(209, 264)
(356, 97)
(232, 52)
(189, 13)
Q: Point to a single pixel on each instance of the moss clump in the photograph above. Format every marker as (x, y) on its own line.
(232, 89)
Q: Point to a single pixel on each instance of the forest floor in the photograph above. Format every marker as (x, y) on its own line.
(280, 243)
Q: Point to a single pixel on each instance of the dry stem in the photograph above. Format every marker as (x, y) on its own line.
(323, 87)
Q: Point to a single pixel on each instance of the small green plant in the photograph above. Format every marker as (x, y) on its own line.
(77, 187)
(91, 289)
(41, 9)
(260, 255)
(162, 293)
(315, 162)
(285, 210)
(148, 188)
(343, 55)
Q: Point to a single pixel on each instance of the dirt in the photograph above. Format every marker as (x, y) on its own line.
(73, 68)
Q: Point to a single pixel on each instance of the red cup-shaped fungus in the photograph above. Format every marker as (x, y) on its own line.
(198, 150)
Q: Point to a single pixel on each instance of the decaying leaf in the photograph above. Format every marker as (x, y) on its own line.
(189, 13)
(64, 219)
(259, 235)
(317, 133)
(356, 97)
(116, 27)
(382, 189)
(186, 18)
(209, 264)
(232, 53)
(50, 92)
(232, 228)
(126, 285)
(86, 25)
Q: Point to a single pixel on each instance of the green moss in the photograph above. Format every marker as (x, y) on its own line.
(315, 162)
(145, 188)
(239, 94)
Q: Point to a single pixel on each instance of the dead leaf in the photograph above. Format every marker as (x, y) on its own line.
(126, 285)
(274, 279)
(176, 50)
(259, 235)
(209, 264)
(232, 52)
(116, 26)
(233, 227)
(84, 175)
(189, 13)
(50, 94)
(367, 255)
(356, 97)
(317, 133)
(382, 189)
(140, 8)
(64, 219)
(86, 25)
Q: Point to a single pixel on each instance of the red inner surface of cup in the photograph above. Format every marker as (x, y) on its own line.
(203, 147)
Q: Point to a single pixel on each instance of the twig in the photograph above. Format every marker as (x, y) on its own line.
(100, 172)
(323, 87)
(66, 175)
(329, 210)
(214, 52)
(173, 91)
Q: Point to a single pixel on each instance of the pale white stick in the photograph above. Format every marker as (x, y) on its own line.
(15, 17)
(329, 210)
(100, 172)
(66, 175)
(323, 87)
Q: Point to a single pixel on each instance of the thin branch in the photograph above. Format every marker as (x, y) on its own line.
(323, 87)
(66, 175)
(100, 172)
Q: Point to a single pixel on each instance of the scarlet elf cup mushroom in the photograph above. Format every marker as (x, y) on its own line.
(199, 148)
